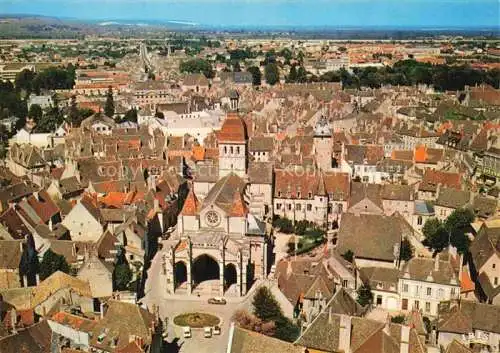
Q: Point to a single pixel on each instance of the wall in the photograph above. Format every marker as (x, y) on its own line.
(81, 224)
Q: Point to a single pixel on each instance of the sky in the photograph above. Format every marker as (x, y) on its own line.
(292, 13)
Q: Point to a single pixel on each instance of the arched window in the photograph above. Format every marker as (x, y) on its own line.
(225, 149)
(232, 150)
(238, 150)
(419, 220)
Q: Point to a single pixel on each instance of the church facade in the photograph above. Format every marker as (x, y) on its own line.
(221, 237)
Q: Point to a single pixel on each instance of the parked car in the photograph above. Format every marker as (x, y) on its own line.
(217, 330)
(207, 332)
(186, 331)
(217, 300)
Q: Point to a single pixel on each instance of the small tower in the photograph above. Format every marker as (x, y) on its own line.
(234, 100)
(323, 144)
(232, 140)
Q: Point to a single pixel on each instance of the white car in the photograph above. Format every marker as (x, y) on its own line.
(207, 332)
(186, 332)
(216, 330)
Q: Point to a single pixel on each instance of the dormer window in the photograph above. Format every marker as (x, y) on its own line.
(279, 193)
(310, 195)
(298, 194)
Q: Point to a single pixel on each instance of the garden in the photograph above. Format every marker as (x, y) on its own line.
(196, 320)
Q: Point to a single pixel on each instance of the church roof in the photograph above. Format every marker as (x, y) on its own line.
(238, 209)
(191, 205)
(223, 194)
(233, 129)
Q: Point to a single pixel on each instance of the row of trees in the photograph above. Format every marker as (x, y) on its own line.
(403, 73)
(51, 78)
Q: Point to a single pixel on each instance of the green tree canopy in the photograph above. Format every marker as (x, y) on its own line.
(348, 256)
(122, 275)
(51, 120)
(267, 309)
(131, 115)
(435, 234)
(453, 231)
(271, 72)
(24, 81)
(109, 107)
(197, 66)
(407, 250)
(35, 112)
(292, 76)
(52, 262)
(365, 295)
(458, 224)
(256, 75)
(265, 305)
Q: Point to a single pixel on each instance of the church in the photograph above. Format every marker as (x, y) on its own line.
(220, 246)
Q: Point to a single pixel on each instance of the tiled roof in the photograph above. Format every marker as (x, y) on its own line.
(426, 270)
(121, 321)
(233, 130)
(457, 347)
(369, 236)
(452, 198)
(245, 341)
(191, 205)
(464, 316)
(432, 178)
(58, 281)
(44, 206)
(34, 339)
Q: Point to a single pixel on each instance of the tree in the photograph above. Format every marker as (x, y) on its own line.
(365, 295)
(4, 141)
(348, 256)
(286, 330)
(301, 74)
(271, 72)
(74, 113)
(248, 321)
(436, 236)
(109, 107)
(399, 319)
(24, 81)
(256, 75)
(292, 76)
(265, 305)
(130, 115)
(122, 275)
(301, 227)
(52, 262)
(35, 112)
(50, 121)
(284, 224)
(406, 252)
(197, 66)
(457, 224)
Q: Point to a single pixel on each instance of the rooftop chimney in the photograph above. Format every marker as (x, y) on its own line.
(345, 333)
(405, 339)
(436, 262)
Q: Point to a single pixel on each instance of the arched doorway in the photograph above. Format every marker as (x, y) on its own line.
(180, 273)
(205, 268)
(230, 275)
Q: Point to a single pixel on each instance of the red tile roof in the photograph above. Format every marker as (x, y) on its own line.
(233, 129)
(191, 205)
(449, 180)
(44, 206)
(238, 209)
